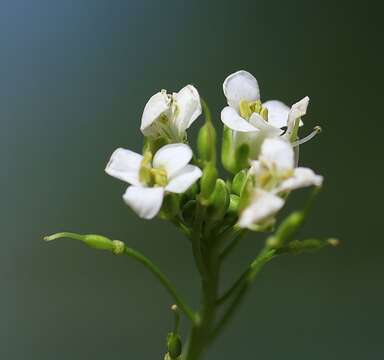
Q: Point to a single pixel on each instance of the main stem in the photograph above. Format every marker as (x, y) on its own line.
(201, 330)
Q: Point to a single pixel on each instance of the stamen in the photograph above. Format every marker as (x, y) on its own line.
(316, 130)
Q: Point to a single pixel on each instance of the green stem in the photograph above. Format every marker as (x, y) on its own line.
(265, 256)
(163, 279)
(203, 327)
(196, 238)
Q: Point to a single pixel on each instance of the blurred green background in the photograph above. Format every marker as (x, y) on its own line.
(75, 76)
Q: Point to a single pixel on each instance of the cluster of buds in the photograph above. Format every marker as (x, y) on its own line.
(259, 148)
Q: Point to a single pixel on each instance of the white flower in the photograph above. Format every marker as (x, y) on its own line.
(275, 170)
(169, 116)
(263, 206)
(168, 171)
(274, 173)
(252, 121)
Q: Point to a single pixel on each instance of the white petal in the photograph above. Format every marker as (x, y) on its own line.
(302, 177)
(172, 158)
(188, 108)
(277, 113)
(184, 179)
(277, 153)
(145, 202)
(239, 86)
(263, 206)
(234, 121)
(257, 121)
(158, 104)
(125, 165)
(299, 109)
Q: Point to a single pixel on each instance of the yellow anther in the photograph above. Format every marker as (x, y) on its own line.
(264, 113)
(159, 177)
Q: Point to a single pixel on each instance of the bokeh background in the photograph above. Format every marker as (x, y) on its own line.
(75, 76)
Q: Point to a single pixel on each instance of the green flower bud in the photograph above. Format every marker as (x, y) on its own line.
(241, 160)
(219, 200)
(208, 181)
(206, 142)
(227, 150)
(239, 182)
(234, 202)
(174, 345)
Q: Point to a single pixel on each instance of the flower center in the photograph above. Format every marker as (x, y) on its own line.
(247, 108)
(150, 176)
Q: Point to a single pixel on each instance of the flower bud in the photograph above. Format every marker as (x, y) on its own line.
(208, 180)
(206, 142)
(219, 200)
(174, 345)
(234, 202)
(227, 149)
(241, 160)
(239, 182)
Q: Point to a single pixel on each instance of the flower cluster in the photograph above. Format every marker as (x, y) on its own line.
(260, 148)
(260, 151)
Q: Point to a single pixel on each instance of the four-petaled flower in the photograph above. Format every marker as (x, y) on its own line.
(273, 174)
(252, 121)
(169, 116)
(151, 178)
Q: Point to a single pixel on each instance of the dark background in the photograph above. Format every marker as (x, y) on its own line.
(75, 76)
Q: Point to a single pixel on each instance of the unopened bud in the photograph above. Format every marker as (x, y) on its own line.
(227, 150)
(219, 200)
(234, 201)
(206, 142)
(241, 160)
(174, 345)
(239, 182)
(208, 180)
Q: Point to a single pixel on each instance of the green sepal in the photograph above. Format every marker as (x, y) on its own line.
(152, 145)
(238, 182)
(219, 200)
(174, 345)
(208, 181)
